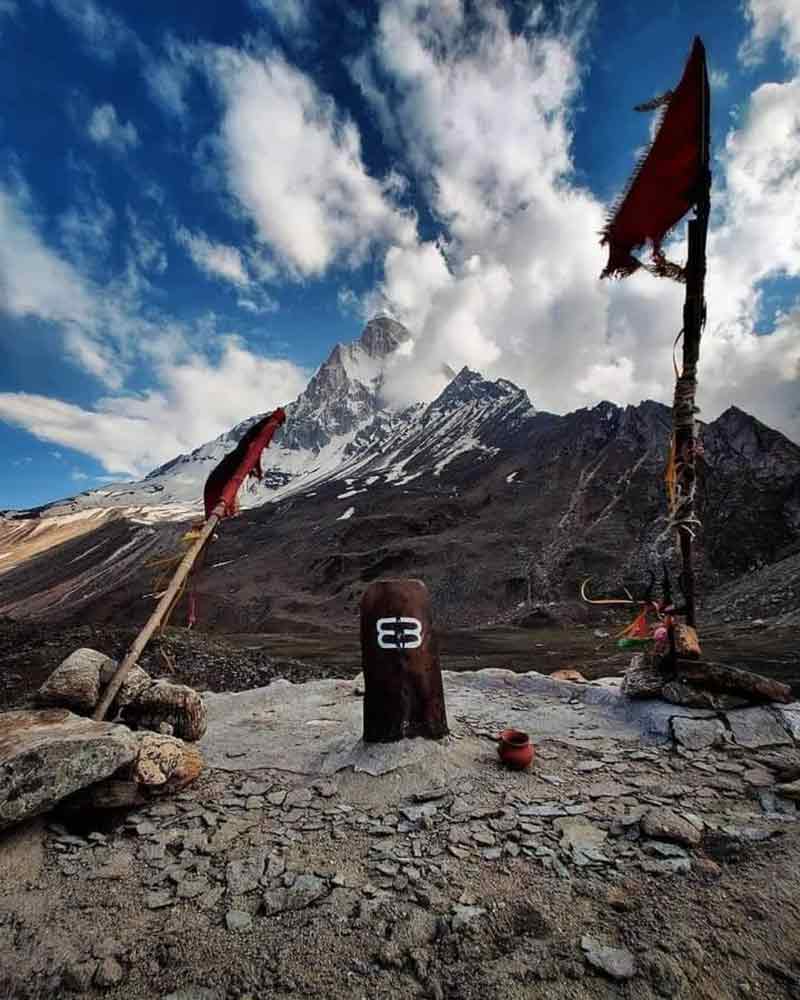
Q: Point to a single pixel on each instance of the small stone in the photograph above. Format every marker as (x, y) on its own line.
(327, 789)
(618, 963)
(244, 875)
(278, 797)
(789, 790)
(254, 802)
(238, 921)
(663, 849)
(668, 866)
(590, 765)
(108, 947)
(253, 788)
(484, 837)
(109, 973)
(607, 790)
(298, 798)
(78, 975)
(158, 900)
(463, 916)
(758, 777)
(705, 866)
(664, 824)
(276, 866)
(190, 888)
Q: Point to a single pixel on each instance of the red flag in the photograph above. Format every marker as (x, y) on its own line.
(223, 484)
(669, 179)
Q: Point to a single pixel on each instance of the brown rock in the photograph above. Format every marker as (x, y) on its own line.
(175, 704)
(167, 762)
(680, 693)
(75, 683)
(568, 675)
(664, 824)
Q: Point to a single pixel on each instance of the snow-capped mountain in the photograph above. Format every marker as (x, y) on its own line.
(338, 427)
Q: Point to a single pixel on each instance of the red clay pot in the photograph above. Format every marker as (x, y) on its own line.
(515, 749)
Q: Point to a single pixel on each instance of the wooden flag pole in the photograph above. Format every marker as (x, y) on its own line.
(219, 496)
(684, 404)
(160, 612)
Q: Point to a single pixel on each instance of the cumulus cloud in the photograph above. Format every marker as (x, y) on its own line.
(771, 20)
(215, 259)
(513, 287)
(106, 129)
(195, 400)
(295, 166)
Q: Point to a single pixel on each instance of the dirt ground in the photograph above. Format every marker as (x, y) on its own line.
(356, 902)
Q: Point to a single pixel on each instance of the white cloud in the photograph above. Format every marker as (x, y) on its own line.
(215, 259)
(85, 229)
(33, 281)
(515, 289)
(103, 32)
(106, 129)
(168, 77)
(147, 248)
(718, 79)
(771, 20)
(295, 167)
(77, 476)
(291, 16)
(196, 400)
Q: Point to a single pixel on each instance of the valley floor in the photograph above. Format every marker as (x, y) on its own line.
(30, 651)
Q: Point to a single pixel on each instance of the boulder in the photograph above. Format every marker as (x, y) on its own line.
(78, 682)
(47, 755)
(664, 824)
(75, 683)
(175, 705)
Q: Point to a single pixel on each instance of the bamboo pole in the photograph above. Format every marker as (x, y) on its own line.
(158, 615)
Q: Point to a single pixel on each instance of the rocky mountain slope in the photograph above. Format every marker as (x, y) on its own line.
(477, 493)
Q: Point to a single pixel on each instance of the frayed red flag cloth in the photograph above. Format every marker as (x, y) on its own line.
(669, 178)
(222, 486)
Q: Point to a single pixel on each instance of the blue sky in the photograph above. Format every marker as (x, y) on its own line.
(197, 201)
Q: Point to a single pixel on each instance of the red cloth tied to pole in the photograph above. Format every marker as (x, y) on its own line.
(668, 180)
(222, 486)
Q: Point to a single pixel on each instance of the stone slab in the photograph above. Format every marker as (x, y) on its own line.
(697, 734)
(46, 756)
(757, 727)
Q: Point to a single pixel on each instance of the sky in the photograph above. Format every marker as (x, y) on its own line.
(197, 201)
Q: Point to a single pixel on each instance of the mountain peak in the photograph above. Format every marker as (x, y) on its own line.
(382, 336)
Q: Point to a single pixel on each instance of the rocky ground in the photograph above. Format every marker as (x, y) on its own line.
(609, 870)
